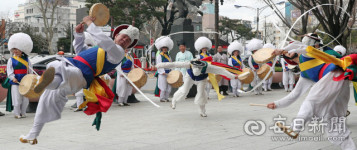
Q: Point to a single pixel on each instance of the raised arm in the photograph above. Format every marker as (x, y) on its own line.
(218, 70)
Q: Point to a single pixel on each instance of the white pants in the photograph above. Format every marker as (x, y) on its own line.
(79, 97)
(19, 102)
(328, 99)
(236, 84)
(255, 82)
(201, 96)
(52, 101)
(267, 83)
(208, 87)
(164, 87)
(288, 80)
(124, 89)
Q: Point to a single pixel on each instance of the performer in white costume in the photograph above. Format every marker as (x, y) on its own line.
(20, 45)
(253, 46)
(202, 45)
(328, 100)
(288, 76)
(267, 83)
(309, 74)
(124, 88)
(183, 56)
(164, 44)
(197, 73)
(69, 75)
(235, 49)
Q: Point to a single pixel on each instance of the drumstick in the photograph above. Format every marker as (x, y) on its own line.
(263, 105)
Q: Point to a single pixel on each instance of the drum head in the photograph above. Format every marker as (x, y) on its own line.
(135, 74)
(101, 14)
(27, 83)
(174, 76)
(263, 55)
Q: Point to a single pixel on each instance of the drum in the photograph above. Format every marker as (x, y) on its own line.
(263, 71)
(246, 77)
(101, 14)
(138, 77)
(218, 78)
(263, 55)
(27, 85)
(175, 78)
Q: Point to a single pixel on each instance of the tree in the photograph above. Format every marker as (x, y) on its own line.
(64, 44)
(48, 9)
(332, 19)
(235, 29)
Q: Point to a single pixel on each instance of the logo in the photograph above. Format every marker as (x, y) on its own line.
(254, 127)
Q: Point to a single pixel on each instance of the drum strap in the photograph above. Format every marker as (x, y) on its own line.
(204, 55)
(310, 64)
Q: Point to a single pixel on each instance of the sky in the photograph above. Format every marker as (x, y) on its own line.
(7, 8)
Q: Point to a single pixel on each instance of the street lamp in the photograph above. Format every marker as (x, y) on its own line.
(259, 10)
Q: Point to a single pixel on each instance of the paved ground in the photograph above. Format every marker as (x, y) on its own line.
(143, 126)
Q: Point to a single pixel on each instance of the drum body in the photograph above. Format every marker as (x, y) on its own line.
(263, 71)
(263, 55)
(248, 78)
(138, 77)
(175, 78)
(27, 85)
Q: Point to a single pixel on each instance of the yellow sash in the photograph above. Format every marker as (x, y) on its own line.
(95, 87)
(235, 58)
(313, 52)
(214, 83)
(167, 57)
(204, 55)
(24, 62)
(128, 57)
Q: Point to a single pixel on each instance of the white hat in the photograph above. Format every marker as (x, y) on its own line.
(129, 30)
(21, 41)
(341, 49)
(89, 39)
(311, 39)
(254, 44)
(269, 45)
(164, 41)
(203, 42)
(235, 46)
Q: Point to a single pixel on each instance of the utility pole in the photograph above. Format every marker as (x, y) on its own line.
(71, 47)
(216, 10)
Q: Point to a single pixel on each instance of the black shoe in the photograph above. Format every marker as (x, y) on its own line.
(77, 110)
(2, 114)
(126, 104)
(225, 93)
(132, 99)
(74, 105)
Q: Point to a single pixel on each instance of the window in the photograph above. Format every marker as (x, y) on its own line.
(37, 29)
(54, 30)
